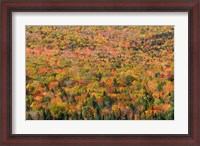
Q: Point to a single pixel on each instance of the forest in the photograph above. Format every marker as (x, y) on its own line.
(99, 72)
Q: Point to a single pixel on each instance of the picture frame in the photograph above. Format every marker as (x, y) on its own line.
(191, 7)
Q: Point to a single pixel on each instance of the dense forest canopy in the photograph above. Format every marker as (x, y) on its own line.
(99, 72)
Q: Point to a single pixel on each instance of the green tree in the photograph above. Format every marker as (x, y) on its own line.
(129, 79)
(115, 84)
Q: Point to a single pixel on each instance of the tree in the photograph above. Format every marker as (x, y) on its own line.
(129, 79)
(41, 114)
(115, 84)
(97, 113)
(47, 115)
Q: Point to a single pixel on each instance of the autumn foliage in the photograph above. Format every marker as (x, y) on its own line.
(100, 72)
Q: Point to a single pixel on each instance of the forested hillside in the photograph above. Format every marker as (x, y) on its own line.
(99, 72)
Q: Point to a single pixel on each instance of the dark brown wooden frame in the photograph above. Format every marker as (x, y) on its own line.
(9, 6)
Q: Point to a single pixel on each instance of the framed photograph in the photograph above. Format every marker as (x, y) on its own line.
(100, 73)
